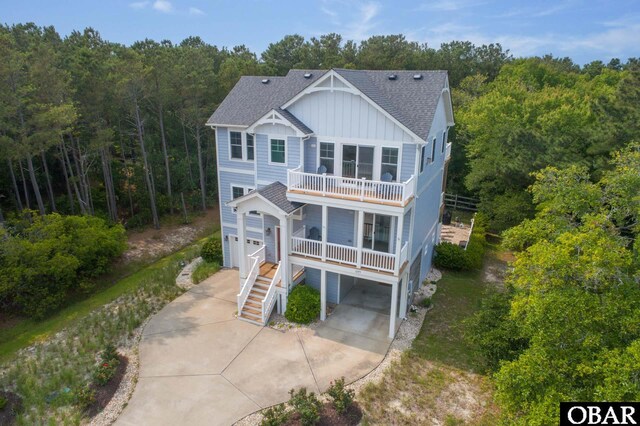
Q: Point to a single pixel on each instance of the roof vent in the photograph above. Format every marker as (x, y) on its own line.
(393, 77)
(417, 76)
(265, 81)
(307, 75)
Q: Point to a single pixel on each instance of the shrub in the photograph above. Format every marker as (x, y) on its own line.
(203, 271)
(109, 362)
(426, 302)
(109, 353)
(306, 405)
(303, 305)
(342, 397)
(275, 416)
(451, 256)
(212, 251)
(85, 396)
(3, 402)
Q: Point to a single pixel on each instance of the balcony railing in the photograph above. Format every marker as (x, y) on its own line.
(391, 193)
(371, 259)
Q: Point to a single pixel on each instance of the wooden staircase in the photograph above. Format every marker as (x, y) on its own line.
(252, 309)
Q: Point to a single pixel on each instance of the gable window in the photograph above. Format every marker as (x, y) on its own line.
(433, 150)
(250, 147)
(423, 155)
(278, 151)
(237, 192)
(390, 162)
(327, 155)
(235, 139)
(444, 140)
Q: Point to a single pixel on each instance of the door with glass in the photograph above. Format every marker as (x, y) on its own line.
(377, 232)
(357, 161)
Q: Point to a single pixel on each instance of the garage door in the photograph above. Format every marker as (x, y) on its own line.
(251, 245)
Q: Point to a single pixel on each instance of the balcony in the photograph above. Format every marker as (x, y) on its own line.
(347, 255)
(387, 193)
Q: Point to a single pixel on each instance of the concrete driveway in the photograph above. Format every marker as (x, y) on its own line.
(200, 365)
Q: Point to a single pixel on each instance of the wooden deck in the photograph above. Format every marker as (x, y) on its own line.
(351, 195)
(268, 270)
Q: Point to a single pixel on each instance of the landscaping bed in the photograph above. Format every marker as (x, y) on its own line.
(103, 394)
(10, 405)
(329, 416)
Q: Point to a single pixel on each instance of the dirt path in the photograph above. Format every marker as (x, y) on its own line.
(154, 243)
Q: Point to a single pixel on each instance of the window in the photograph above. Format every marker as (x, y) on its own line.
(250, 147)
(444, 140)
(423, 154)
(327, 154)
(390, 162)
(235, 139)
(278, 153)
(433, 150)
(237, 192)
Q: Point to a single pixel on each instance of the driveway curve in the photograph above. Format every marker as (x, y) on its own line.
(200, 365)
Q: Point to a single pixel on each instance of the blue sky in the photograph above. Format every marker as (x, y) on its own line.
(582, 29)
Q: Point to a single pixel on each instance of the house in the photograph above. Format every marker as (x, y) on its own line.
(335, 178)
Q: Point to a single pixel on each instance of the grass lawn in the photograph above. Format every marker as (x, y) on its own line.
(437, 381)
(203, 271)
(27, 331)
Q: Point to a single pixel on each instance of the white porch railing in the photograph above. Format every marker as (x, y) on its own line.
(249, 281)
(397, 193)
(342, 254)
(270, 298)
(378, 260)
(301, 245)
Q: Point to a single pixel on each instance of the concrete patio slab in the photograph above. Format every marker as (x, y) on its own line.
(222, 285)
(190, 310)
(361, 322)
(186, 400)
(206, 349)
(272, 364)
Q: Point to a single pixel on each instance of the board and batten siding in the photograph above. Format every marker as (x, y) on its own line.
(311, 155)
(345, 115)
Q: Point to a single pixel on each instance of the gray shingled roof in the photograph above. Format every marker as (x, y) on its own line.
(250, 99)
(412, 102)
(276, 194)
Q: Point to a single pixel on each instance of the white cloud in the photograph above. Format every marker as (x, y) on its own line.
(361, 27)
(449, 5)
(139, 4)
(163, 6)
(196, 11)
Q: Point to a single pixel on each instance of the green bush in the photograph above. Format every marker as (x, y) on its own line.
(342, 397)
(212, 251)
(275, 416)
(454, 257)
(46, 260)
(203, 271)
(85, 396)
(303, 305)
(3, 402)
(426, 302)
(109, 362)
(306, 405)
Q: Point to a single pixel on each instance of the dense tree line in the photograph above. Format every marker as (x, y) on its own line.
(93, 127)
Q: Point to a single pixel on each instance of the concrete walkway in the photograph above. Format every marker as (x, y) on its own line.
(200, 365)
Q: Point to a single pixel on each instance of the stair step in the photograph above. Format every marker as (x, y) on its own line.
(258, 290)
(253, 304)
(264, 282)
(252, 311)
(251, 320)
(254, 298)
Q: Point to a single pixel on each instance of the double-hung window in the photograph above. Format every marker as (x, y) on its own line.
(277, 151)
(390, 163)
(444, 140)
(235, 139)
(250, 147)
(327, 156)
(423, 159)
(237, 192)
(433, 150)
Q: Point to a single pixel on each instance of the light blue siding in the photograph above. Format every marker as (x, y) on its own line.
(310, 155)
(270, 240)
(408, 161)
(222, 145)
(226, 231)
(276, 172)
(427, 216)
(312, 279)
(406, 227)
(341, 221)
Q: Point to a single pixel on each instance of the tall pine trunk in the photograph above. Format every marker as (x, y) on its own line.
(16, 191)
(146, 169)
(81, 202)
(201, 170)
(34, 184)
(65, 172)
(105, 160)
(166, 156)
(24, 185)
(52, 199)
(186, 150)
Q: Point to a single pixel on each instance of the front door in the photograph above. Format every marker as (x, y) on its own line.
(277, 244)
(357, 161)
(377, 232)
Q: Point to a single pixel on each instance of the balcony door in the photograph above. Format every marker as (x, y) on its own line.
(377, 232)
(357, 161)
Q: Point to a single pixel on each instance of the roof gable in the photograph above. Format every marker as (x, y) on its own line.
(275, 194)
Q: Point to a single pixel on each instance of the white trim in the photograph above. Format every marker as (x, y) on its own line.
(245, 190)
(273, 117)
(348, 204)
(224, 258)
(264, 182)
(256, 230)
(232, 126)
(229, 225)
(351, 89)
(286, 151)
(318, 142)
(238, 171)
(383, 278)
(243, 146)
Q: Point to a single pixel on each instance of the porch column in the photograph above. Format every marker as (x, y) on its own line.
(360, 234)
(284, 250)
(399, 232)
(241, 220)
(403, 295)
(394, 305)
(323, 295)
(325, 211)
